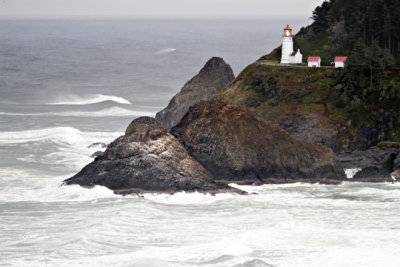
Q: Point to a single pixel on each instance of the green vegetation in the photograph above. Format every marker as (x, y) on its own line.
(368, 31)
(346, 99)
(275, 55)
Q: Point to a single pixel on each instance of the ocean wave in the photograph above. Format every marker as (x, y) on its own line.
(165, 51)
(65, 135)
(59, 147)
(90, 99)
(59, 192)
(188, 198)
(350, 173)
(108, 112)
(46, 188)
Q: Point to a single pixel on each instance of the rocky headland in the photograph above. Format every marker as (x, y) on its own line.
(334, 107)
(272, 124)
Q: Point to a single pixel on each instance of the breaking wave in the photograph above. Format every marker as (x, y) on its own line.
(108, 112)
(52, 148)
(90, 99)
(165, 51)
(65, 135)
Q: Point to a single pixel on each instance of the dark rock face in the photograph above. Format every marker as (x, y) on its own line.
(233, 144)
(375, 163)
(98, 145)
(213, 78)
(97, 154)
(310, 128)
(146, 158)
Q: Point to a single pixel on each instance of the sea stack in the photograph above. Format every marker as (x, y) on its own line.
(147, 159)
(213, 78)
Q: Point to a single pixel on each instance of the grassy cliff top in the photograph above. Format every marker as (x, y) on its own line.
(349, 98)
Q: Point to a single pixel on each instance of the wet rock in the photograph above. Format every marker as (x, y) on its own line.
(147, 159)
(98, 145)
(375, 163)
(97, 154)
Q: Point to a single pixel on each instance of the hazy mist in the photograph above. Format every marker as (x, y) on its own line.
(160, 8)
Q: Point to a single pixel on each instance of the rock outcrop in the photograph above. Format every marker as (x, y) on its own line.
(373, 165)
(147, 158)
(336, 108)
(235, 145)
(213, 78)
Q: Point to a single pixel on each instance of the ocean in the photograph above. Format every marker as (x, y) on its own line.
(66, 84)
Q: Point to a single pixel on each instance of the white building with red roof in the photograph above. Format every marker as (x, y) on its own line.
(314, 62)
(289, 56)
(340, 62)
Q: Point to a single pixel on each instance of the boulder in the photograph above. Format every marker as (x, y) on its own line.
(213, 78)
(235, 145)
(147, 159)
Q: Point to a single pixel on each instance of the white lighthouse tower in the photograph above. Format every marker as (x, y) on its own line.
(287, 45)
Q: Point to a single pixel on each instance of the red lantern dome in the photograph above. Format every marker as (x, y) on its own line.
(288, 28)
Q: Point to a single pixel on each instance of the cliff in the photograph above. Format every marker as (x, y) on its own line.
(344, 109)
(212, 78)
(233, 144)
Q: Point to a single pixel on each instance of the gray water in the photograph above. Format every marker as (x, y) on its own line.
(67, 84)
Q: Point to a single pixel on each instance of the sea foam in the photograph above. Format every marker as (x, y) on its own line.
(108, 112)
(90, 99)
(165, 51)
(64, 135)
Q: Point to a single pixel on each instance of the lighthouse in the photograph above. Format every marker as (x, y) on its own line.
(287, 45)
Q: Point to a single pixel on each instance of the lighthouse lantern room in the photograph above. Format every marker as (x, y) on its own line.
(287, 45)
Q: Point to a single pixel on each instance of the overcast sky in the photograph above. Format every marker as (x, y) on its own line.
(160, 8)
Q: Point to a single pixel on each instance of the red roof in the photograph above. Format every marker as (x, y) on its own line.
(313, 59)
(293, 54)
(340, 59)
(288, 28)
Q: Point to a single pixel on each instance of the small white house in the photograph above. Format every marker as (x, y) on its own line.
(340, 62)
(314, 62)
(296, 57)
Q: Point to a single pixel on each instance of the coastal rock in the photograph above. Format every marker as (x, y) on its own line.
(98, 145)
(376, 164)
(97, 154)
(146, 158)
(396, 175)
(213, 78)
(235, 145)
(310, 127)
(321, 105)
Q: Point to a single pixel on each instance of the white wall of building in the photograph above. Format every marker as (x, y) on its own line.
(339, 64)
(315, 64)
(287, 49)
(297, 59)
